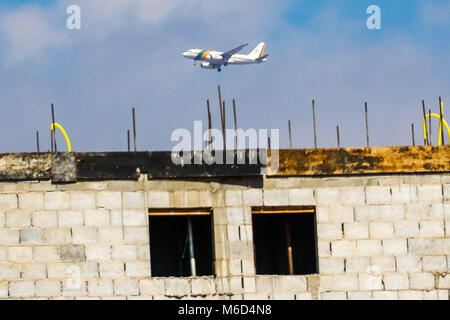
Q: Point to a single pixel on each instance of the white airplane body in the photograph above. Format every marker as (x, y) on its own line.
(216, 59)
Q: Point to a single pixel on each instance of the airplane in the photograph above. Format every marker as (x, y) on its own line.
(215, 59)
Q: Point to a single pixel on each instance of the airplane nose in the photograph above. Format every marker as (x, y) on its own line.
(185, 54)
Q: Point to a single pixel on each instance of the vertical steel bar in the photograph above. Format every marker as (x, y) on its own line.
(128, 140)
(290, 134)
(429, 124)
(37, 141)
(209, 124)
(412, 132)
(134, 129)
(441, 126)
(367, 125)
(224, 124)
(287, 229)
(425, 140)
(54, 131)
(314, 124)
(338, 138)
(191, 247)
(235, 126)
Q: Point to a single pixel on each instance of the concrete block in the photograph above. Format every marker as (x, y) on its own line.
(329, 231)
(158, 199)
(379, 213)
(135, 218)
(303, 296)
(100, 288)
(352, 196)
(421, 281)
(152, 287)
(2, 219)
(404, 193)
(396, 281)
(109, 200)
(409, 264)
(72, 253)
(22, 289)
(434, 263)
(360, 295)
(3, 290)
(20, 254)
(56, 200)
(96, 218)
(133, 200)
(70, 270)
(9, 271)
(31, 236)
(249, 284)
(406, 229)
(381, 230)
(98, 252)
(410, 295)
(233, 198)
(235, 215)
(418, 211)
(9, 236)
(276, 197)
(82, 200)
(335, 213)
(83, 235)
(8, 202)
(264, 284)
(111, 269)
(346, 282)
(206, 199)
(70, 218)
(33, 271)
(370, 282)
(203, 286)
(240, 250)
(177, 287)
(45, 288)
(110, 234)
(253, 197)
(45, 219)
(430, 193)
(334, 296)
(421, 246)
(369, 248)
(395, 247)
(116, 218)
(126, 287)
(17, 219)
(31, 201)
(58, 235)
(385, 295)
(443, 282)
(327, 196)
(323, 248)
(46, 253)
(301, 197)
(354, 265)
(138, 269)
(124, 252)
(344, 248)
(431, 229)
(356, 230)
(437, 211)
(378, 194)
(283, 296)
(136, 234)
(383, 264)
(331, 265)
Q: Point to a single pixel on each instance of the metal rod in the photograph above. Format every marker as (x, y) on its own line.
(223, 127)
(51, 140)
(220, 98)
(128, 140)
(367, 125)
(338, 138)
(290, 134)
(314, 123)
(37, 141)
(287, 229)
(209, 124)
(191, 247)
(54, 131)
(441, 127)
(268, 142)
(412, 131)
(235, 125)
(429, 122)
(425, 140)
(134, 129)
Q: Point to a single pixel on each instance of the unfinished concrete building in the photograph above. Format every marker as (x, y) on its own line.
(361, 223)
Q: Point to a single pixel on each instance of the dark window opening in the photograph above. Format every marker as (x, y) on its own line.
(285, 241)
(171, 236)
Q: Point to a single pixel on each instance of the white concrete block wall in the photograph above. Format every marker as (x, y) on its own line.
(378, 238)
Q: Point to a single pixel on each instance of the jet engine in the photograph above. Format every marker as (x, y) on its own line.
(207, 65)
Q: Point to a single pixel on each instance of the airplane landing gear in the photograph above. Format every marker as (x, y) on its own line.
(225, 64)
(219, 69)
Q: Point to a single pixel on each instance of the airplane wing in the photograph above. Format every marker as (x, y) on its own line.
(227, 55)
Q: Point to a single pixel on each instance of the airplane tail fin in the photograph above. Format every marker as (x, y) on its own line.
(258, 52)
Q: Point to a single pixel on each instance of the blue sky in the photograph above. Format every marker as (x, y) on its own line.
(128, 54)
